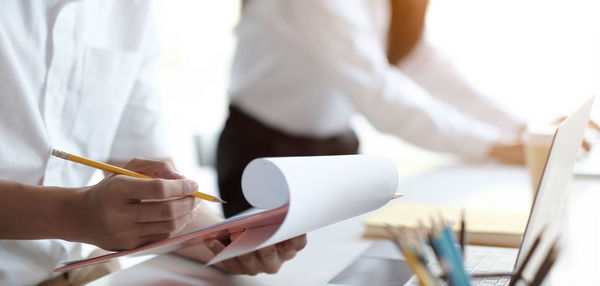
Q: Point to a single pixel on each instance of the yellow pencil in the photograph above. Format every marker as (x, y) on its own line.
(117, 170)
(414, 263)
(418, 268)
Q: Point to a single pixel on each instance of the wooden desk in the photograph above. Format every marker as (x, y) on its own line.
(332, 248)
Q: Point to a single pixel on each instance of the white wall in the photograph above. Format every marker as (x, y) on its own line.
(538, 56)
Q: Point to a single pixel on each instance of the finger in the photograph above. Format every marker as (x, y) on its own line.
(234, 235)
(559, 120)
(165, 210)
(594, 125)
(269, 259)
(158, 189)
(232, 266)
(586, 145)
(251, 263)
(168, 227)
(154, 168)
(288, 249)
(285, 250)
(299, 242)
(214, 251)
(214, 246)
(146, 239)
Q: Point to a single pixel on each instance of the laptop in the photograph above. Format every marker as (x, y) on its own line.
(546, 211)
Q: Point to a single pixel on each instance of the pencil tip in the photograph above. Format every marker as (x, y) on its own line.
(397, 196)
(219, 200)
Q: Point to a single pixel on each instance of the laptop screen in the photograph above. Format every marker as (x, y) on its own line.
(553, 189)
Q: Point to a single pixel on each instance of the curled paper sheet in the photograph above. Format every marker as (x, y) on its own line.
(319, 191)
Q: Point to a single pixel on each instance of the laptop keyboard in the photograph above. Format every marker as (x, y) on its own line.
(482, 259)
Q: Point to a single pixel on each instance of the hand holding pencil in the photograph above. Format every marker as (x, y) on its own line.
(124, 212)
(122, 171)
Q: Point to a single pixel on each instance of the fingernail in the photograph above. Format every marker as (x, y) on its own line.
(193, 185)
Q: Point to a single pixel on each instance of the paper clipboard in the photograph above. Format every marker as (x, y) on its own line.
(300, 194)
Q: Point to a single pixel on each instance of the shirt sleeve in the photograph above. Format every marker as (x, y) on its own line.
(438, 75)
(355, 59)
(141, 131)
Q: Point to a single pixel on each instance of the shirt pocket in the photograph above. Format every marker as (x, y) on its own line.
(108, 78)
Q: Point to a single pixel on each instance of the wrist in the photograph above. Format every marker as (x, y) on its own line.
(493, 151)
(70, 215)
(35, 212)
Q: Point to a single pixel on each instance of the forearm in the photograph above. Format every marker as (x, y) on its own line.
(35, 212)
(400, 107)
(406, 27)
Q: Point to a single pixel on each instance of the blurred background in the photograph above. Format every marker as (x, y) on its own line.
(538, 57)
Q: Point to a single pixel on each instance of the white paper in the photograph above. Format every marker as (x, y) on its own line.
(319, 190)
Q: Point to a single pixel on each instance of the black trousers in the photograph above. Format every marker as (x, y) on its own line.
(244, 138)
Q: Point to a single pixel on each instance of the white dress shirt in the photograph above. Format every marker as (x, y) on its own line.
(77, 76)
(306, 66)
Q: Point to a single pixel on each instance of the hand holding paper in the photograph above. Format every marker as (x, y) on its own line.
(319, 191)
(268, 259)
(300, 194)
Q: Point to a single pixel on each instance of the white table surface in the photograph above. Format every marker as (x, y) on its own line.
(332, 248)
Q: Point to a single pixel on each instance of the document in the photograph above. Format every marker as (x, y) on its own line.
(298, 195)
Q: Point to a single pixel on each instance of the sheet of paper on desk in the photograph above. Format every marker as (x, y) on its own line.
(300, 194)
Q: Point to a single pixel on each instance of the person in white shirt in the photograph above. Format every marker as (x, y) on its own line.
(81, 76)
(303, 68)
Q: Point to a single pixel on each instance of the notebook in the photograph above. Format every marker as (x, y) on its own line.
(484, 227)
